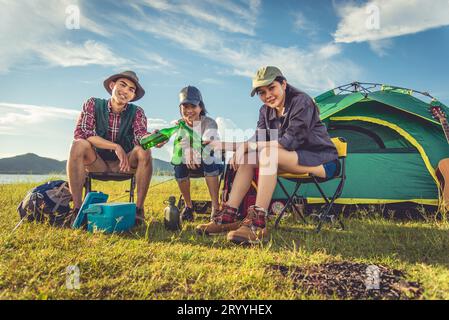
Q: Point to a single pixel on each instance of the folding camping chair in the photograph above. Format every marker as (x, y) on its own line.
(109, 176)
(323, 214)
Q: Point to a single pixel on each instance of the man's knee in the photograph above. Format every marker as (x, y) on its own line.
(143, 156)
(79, 148)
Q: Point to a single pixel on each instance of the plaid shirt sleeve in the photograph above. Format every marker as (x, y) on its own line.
(139, 125)
(85, 126)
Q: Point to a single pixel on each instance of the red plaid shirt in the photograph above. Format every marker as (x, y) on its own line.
(85, 126)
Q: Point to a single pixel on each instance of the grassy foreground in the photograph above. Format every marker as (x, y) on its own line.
(152, 263)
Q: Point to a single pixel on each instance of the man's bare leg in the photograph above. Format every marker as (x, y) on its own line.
(81, 155)
(142, 161)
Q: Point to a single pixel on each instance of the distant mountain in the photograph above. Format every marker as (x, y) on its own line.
(31, 163)
(162, 166)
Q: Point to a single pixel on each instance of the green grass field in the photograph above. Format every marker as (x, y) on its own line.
(152, 263)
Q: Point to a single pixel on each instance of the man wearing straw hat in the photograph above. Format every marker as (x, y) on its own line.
(106, 139)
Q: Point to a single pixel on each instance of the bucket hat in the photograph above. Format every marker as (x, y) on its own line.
(130, 75)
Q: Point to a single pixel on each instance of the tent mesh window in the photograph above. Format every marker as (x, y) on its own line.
(364, 137)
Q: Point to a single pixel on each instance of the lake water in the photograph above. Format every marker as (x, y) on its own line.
(35, 178)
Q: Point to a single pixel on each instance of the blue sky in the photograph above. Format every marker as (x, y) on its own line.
(48, 70)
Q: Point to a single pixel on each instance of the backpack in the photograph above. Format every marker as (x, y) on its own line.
(49, 203)
(250, 197)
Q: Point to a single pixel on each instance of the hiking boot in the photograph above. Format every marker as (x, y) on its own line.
(187, 214)
(223, 221)
(140, 217)
(253, 229)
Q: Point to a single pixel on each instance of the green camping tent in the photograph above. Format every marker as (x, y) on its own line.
(394, 144)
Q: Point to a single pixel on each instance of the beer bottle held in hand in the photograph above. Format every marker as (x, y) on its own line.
(158, 137)
(194, 138)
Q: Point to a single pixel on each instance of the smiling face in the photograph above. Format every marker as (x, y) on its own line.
(123, 91)
(190, 113)
(273, 95)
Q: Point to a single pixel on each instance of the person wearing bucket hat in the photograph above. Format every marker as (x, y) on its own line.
(290, 137)
(139, 92)
(106, 139)
(193, 160)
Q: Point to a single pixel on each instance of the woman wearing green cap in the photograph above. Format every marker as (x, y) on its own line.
(290, 138)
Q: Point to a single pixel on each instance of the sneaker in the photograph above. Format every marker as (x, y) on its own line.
(187, 214)
(223, 221)
(253, 229)
(140, 217)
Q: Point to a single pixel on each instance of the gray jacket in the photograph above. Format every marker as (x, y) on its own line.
(300, 129)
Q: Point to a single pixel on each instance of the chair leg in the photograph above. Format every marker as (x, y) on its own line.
(132, 188)
(324, 212)
(87, 186)
(288, 204)
(281, 214)
(181, 203)
(323, 216)
(291, 205)
(299, 213)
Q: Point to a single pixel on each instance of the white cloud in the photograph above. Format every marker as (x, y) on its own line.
(70, 55)
(38, 27)
(30, 114)
(396, 18)
(157, 59)
(92, 26)
(313, 68)
(302, 24)
(248, 13)
(381, 47)
(46, 131)
(329, 50)
(152, 61)
(242, 21)
(53, 123)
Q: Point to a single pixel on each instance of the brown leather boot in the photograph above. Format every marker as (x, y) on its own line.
(253, 229)
(223, 221)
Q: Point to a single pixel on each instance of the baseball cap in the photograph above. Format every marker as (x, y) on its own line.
(265, 76)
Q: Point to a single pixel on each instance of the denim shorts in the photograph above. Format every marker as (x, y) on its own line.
(332, 168)
(209, 170)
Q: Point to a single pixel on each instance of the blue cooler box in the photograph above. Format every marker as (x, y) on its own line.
(110, 217)
(91, 198)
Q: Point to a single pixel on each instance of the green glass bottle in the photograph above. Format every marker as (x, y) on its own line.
(158, 137)
(195, 141)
